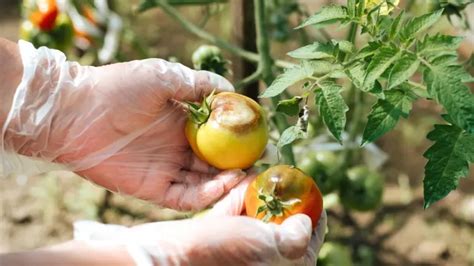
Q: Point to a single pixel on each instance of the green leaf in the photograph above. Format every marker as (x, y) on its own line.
(344, 46)
(434, 45)
(366, 51)
(403, 70)
(419, 24)
(444, 84)
(332, 108)
(386, 113)
(380, 62)
(357, 73)
(313, 51)
(288, 78)
(396, 25)
(337, 74)
(328, 14)
(448, 161)
(289, 107)
(289, 136)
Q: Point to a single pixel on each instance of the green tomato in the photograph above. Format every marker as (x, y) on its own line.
(209, 57)
(323, 167)
(334, 254)
(362, 189)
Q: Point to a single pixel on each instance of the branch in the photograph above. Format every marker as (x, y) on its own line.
(189, 26)
(249, 79)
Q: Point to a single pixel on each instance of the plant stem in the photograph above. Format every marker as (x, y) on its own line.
(255, 76)
(355, 98)
(189, 26)
(265, 66)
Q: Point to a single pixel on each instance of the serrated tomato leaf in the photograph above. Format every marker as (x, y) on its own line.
(289, 107)
(419, 24)
(448, 161)
(402, 70)
(332, 108)
(386, 113)
(289, 77)
(327, 14)
(290, 134)
(445, 85)
(313, 51)
(381, 61)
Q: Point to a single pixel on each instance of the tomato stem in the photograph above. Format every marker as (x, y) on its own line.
(200, 113)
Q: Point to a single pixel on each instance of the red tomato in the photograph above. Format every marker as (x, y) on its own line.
(282, 191)
(45, 17)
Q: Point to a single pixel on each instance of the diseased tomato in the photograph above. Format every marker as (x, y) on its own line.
(45, 15)
(362, 189)
(228, 130)
(282, 191)
(323, 167)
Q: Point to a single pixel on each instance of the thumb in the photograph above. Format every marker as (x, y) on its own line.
(293, 236)
(232, 203)
(204, 83)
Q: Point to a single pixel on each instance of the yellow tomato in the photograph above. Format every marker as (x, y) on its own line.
(234, 135)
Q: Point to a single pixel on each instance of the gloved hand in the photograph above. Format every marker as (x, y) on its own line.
(218, 238)
(118, 125)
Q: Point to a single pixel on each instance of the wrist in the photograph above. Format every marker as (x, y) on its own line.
(70, 253)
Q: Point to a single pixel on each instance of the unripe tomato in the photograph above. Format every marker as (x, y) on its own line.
(323, 167)
(334, 254)
(231, 134)
(45, 15)
(210, 58)
(362, 189)
(282, 191)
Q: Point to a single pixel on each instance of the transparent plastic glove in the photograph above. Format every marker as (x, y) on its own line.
(118, 125)
(215, 239)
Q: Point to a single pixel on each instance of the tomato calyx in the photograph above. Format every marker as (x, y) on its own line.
(273, 206)
(199, 113)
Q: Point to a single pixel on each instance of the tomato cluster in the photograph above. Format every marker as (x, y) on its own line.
(46, 25)
(229, 131)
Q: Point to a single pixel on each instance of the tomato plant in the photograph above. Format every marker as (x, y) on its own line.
(227, 130)
(282, 191)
